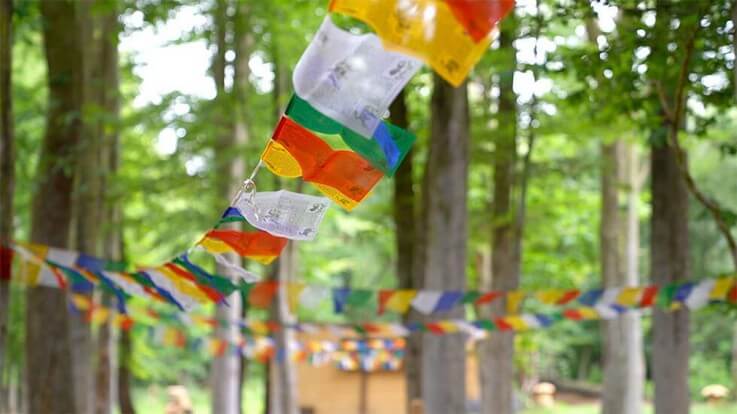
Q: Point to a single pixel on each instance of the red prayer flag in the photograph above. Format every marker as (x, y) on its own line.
(479, 17)
(343, 170)
(648, 296)
(488, 297)
(502, 325)
(262, 294)
(384, 296)
(568, 296)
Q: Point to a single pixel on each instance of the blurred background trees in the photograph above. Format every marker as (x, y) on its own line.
(564, 162)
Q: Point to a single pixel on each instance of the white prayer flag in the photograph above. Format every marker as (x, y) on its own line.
(283, 213)
(351, 78)
(700, 294)
(605, 304)
(426, 300)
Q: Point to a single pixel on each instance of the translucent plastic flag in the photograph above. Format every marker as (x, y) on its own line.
(351, 78)
(343, 176)
(427, 29)
(385, 151)
(479, 17)
(283, 213)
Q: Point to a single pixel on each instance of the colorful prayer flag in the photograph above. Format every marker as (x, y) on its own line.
(255, 245)
(343, 176)
(427, 29)
(385, 149)
(479, 17)
(284, 213)
(351, 78)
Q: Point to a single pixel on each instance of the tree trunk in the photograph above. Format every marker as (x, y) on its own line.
(283, 392)
(406, 233)
(7, 185)
(230, 169)
(623, 364)
(444, 220)
(669, 240)
(669, 263)
(497, 353)
(125, 400)
(112, 232)
(87, 195)
(50, 379)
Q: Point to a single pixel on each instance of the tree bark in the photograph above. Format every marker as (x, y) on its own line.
(230, 168)
(669, 263)
(497, 352)
(112, 232)
(86, 206)
(623, 363)
(50, 379)
(283, 392)
(405, 223)
(7, 186)
(444, 221)
(669, 241)
(125, 400)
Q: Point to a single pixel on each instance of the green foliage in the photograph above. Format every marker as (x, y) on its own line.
(596, 94)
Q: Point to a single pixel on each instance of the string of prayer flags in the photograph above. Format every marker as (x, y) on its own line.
(427, 29)
(352, 79)
(479, 17)
(343, 176)
(375, 150)
(283, 213)
(259, 245)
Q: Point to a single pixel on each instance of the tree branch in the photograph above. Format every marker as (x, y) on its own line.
(711, 205)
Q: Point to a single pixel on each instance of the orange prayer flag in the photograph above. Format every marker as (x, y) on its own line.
(256, 245)
(342, 175)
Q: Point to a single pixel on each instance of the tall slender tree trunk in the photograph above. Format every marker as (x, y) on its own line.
(443, 250)
(669, 240)
(243, 40)
(7, 185)
(112, 249)
(125, 400)
(283, 392)
(669, 263)
(623, 364)
(405, 222)
(230, 169)
(86, 207)
(50, 378)
(497, 353)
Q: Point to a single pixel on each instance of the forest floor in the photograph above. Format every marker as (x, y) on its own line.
(153, 400)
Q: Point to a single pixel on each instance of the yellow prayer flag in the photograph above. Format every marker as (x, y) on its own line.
(549, 297)
(448, 326)
(400, 300)
(426, 29)
(629, 296)
(99, 315)
(514, 301)
(33, 269)
(294, 291)
(258, 327)
(721, 288)
(517, 322)
(81, 302)
(588, 313)
(184, 286)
